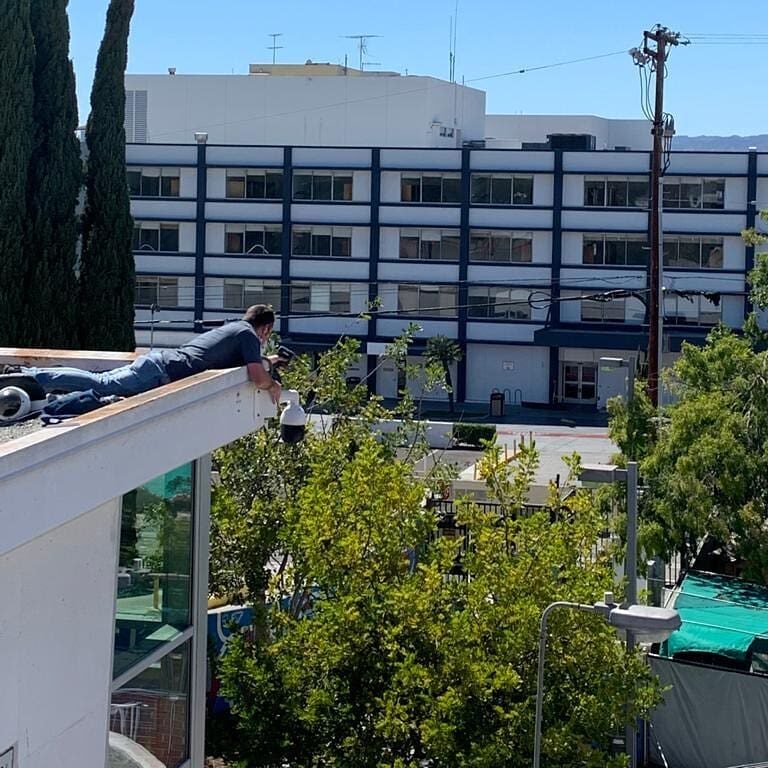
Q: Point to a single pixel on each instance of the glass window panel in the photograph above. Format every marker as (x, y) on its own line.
(571, 372)
(637, 252)
(168, 292)
(155, 566)
(409, 246)
(340, 293)
(273, 241)
(233, 294)
(477, 299)
(302, 186)
(235, 186)
(254, 241)
(429, 299)
(637, 194)
(136, 239)
(522, 249)
(615, 251)
(690, 194)
(592, 252)
(450, 248)
(169, 237)
(321, 245)
(709, 313)
(613, 311)
(481, 189)
(671, 195)
(591, 310)
(501, 191)
(274, 185)
(635, 310)
(501, 247)
(134, 182)
(407, 298)
(341, 246)
(149, 239)
(688, 253)
(617, 193)
(300, 298)
(150, 186)
(431, 189)
(451, 190)
(322, 186)
(523, 191)
(670, 248)
(410, 189)
(448, 300)
(272, 295)
(233, 242)
(594, 193)
(520, 308)
(479, 247)
(302, 242)
(146, 290)
(255, 186)
(714, 193)
(152, 710)
(342, 187)
(686, 311)
(429, 249)
(588, 374)
(169, 186)
(712, 254)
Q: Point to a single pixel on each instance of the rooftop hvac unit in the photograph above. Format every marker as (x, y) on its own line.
(574, 142)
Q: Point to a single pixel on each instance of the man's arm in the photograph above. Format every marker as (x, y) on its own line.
(259, 376)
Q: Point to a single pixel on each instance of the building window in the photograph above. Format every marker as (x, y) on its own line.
(500, 246)
(694, 193)
(333, 186)
(154, 581)
(240, 294)
(253, 239)
(150, 236)
(427, 300)
(429, 244)
(616, 193)
(333, 242)
(693, 252)
(613, 310)
(430, 187)
(498, 302)
(152, 709)
(691, 310)
(254, 185)
(153, 182)
(329, 298)
(155, 289)
(502, 189)
(615, 250)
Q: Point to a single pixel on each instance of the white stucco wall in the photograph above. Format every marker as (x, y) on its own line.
(56, 637)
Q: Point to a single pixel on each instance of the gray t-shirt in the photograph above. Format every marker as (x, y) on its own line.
(230, 346)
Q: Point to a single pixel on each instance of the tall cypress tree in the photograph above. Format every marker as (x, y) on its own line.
(107, 275)
(16, 63)
(55, 175)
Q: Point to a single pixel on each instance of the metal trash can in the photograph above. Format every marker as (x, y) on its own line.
(497, 403)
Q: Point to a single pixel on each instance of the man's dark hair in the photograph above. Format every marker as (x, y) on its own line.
(259, 314)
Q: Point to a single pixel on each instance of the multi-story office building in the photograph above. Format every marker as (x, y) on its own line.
(512, 252)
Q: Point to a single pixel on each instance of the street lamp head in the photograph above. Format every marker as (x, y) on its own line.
(646, 622)
(613, 362)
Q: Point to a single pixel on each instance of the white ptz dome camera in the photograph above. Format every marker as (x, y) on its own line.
(16, 404)
(293, 419)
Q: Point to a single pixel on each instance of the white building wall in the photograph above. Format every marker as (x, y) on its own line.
(320, 111)
(57, 607)
(503, 366)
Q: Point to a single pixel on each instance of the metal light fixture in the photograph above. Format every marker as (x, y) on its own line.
(201, 137)
(649, 623)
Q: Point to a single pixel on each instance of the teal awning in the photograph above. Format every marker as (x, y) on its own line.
(721, 615)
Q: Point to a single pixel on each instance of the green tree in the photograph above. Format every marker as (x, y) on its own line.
(368, 655)
(758, 277)
(16, 67)
(55, 176)
(107, 277)
(444, 351)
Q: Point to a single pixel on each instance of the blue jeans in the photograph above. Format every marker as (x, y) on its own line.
(144, 373)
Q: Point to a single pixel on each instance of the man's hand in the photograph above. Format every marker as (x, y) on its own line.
(275, 390)
(259, 376)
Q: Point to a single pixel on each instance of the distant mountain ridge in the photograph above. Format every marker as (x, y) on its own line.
(720, 143)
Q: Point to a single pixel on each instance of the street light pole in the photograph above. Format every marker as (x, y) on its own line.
(655, 623)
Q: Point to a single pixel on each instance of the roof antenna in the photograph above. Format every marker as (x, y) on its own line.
(274, 47)
(362, 47)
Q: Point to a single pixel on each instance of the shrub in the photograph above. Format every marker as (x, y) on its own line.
(473, 434)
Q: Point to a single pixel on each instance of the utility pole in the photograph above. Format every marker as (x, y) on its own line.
(658, 57)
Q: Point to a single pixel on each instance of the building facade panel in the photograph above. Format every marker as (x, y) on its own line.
(513, 218)
(390, 328)
(504, 332)
(417, 159)
(161, 154)
(501, 160)
(335, 270)
(407, 271)
(339, 213)
(234, 211)
(419, 215)
(620, 220)
(257, 157)
(163, 209)
(331, 157)
(524, 276)
(159, 264)
(606, 162)
(223, 266)
(522, 371)
(708, 163)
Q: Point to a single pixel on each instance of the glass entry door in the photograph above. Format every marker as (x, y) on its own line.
(579, 382)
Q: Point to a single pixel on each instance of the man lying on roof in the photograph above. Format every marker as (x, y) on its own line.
(232, 345)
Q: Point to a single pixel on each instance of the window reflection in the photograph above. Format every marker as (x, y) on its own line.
(150, 714)
(155, 566)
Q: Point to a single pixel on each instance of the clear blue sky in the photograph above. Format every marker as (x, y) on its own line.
(714, 89)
